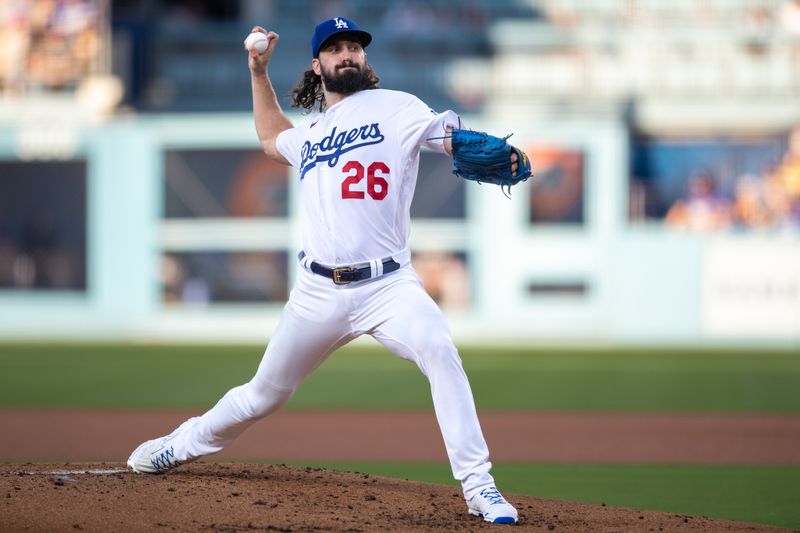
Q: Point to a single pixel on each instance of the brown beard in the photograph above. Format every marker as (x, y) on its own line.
(348, 81)
(308, 94)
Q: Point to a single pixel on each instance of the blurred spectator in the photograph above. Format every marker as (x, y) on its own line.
(777, 199)
(703, 209)
(788, 174)
(789, 16)
(48, 44)
(444, 276)
(772, 200)
(15, 37)
(766, 200)
(750, 208)
(173, 276)
(789, 168)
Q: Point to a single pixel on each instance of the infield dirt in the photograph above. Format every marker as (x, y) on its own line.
(257, 497)
(231, 498)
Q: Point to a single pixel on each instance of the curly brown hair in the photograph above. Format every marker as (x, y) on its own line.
(308, 92)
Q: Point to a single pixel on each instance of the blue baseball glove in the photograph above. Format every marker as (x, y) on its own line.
(484, 158)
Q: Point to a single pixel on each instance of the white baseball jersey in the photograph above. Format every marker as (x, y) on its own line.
(358, 165)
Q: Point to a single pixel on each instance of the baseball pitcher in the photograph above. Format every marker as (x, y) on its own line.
(356, 156)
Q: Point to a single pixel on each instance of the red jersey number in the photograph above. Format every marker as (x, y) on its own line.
(377, 186)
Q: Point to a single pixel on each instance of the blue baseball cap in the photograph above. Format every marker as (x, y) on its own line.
(331, 27)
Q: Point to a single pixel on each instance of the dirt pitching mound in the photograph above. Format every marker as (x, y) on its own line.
(237, 497)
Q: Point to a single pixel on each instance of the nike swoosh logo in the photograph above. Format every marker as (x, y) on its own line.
(313, 123)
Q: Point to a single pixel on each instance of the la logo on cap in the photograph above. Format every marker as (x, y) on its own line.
(330, 27)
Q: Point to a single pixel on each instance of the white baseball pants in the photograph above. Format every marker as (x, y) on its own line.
(321, 317)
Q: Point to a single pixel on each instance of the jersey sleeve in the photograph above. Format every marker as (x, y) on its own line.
(420, 125)
(289, 143)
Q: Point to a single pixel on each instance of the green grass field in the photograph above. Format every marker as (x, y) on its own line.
(95, 375)
(643, 380)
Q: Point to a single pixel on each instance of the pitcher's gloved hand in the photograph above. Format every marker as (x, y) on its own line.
(484, 158)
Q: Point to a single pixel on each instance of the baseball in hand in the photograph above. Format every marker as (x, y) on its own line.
(256, 41)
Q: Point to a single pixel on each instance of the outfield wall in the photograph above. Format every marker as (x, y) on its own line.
(603, 280)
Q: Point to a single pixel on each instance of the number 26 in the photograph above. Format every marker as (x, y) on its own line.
(377, 186)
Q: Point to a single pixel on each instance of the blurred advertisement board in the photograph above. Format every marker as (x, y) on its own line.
(751, 289)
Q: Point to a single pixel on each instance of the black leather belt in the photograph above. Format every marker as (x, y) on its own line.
(349, 274)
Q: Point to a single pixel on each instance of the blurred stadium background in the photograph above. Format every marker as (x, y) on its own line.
(665, 137)
(137, 210)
